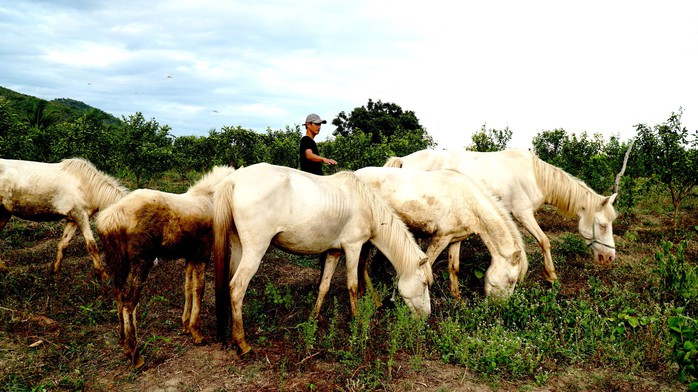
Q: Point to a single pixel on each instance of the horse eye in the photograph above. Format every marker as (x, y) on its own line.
(603, 227)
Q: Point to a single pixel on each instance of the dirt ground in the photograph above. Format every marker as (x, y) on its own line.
(65, 335)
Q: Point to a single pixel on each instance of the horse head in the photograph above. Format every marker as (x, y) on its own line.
(414, 289)
(597, 229)
(504, 272)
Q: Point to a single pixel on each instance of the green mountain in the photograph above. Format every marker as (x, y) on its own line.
(61, 109)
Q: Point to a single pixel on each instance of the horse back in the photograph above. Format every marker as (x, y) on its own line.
(293, 206)
(38, 191)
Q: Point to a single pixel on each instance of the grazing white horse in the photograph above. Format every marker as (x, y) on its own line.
(302, 213)
(72, 189)
(148, 224)
(448, 207)
(524, 182)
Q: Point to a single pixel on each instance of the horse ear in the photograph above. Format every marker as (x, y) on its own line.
(609, 199)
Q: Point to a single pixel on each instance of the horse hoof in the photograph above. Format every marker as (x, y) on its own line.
(243, 350)
(138, 362)
(198, 340)
(550, 276)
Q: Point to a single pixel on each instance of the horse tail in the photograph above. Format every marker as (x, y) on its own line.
(111, 227)
(222, 227)
(393, 162)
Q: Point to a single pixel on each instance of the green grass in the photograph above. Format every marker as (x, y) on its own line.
(611, 324)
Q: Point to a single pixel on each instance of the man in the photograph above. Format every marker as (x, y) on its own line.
(311, 161)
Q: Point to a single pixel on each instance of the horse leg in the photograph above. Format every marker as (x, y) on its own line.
(68, 233)
(84, 224)
(352, 258)
(188, 283)
(130, 295)
(196, 275)
(246, 268)
(119, 312)
(527, 219)
(327, 272)
(365, 283)
(453, 268)
(437, 245)
(4, 218)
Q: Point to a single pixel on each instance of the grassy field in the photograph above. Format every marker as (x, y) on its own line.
(625, 327)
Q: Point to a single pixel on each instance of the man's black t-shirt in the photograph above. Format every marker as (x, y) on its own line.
(309, 166)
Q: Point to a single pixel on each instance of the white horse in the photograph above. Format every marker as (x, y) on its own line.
(148, 224)
(72, 189)
(303, 213)
(448, 207)
(524, 182)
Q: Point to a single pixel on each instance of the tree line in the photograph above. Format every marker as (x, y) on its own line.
(663, 155)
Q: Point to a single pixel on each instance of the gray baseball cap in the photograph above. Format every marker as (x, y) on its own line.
(314, 118)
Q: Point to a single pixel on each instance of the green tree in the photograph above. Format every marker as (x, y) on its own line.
(354, 151)
(282, 146)
(190, 153)
(665, 152)
(15, 142)
(372, 133)
(146, 147)
(87, 136)
(490, 140)
(377, 119)
(548, 145)
(41, 117)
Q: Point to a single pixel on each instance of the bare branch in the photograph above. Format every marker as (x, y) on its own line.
(622, 170)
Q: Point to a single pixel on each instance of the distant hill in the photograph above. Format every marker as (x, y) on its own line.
(64, 109)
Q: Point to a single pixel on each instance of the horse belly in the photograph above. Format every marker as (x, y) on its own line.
(304, 244)
(33, 207)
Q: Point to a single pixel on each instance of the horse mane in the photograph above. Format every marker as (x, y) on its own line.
(567, 193)
(509, 226)
(506, 218)
(100, 189)
(388, 226)
(393, 162)
(206, 184)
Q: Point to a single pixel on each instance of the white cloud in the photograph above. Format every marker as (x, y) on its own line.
(587, 66)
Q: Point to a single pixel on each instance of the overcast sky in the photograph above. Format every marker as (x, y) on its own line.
(197, 65)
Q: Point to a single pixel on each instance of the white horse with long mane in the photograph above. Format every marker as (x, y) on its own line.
(447, 207)
(524, 182)
(148, 224)
(72, 189)
(302, 213)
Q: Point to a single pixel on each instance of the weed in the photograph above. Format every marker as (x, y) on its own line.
(404, 333)
(330, 337)
(569, 246)
(276, 297)
(308, 333)
(684, 334)
(678, 278)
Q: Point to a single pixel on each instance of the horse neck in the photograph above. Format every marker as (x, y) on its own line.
(563, 191)
(99, 189)
(498, 231)
(106, 193)
(390, 235)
